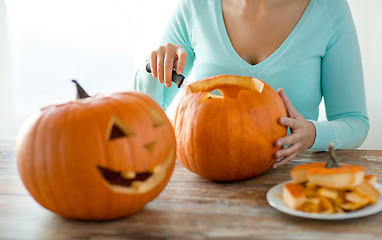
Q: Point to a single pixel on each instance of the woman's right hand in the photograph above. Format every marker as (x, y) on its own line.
(166, 58)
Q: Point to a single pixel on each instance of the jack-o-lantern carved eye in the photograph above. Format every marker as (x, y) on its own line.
(158, 120)
(118, 129)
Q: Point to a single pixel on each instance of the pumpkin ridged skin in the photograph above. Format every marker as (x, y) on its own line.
(229, 139)
(59, 149)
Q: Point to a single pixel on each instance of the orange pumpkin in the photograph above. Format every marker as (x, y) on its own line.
(97, 158)
(229, 137)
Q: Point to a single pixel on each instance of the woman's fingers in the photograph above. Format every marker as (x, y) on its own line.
(288, 122)
(160, 63)
(302, 133)
(153, 63)
(288, 140)
(288, 154)
(168, 66)
(165, 59)
(182, 57)
(288, 104)
(285, 160)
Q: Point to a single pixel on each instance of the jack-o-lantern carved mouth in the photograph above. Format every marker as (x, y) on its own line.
(136, 182)
(124, 179)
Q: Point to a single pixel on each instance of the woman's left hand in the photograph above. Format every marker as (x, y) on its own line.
(302, 134)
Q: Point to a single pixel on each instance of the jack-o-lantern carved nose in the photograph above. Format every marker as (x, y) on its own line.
(150, 147)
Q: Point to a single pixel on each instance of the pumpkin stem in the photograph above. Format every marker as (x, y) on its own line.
(332, 161)
(80, 91)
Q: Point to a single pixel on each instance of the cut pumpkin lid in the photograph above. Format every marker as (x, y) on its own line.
(308, 165)
(330, 167)
(343, 169)
(295, 189)
(319, 168)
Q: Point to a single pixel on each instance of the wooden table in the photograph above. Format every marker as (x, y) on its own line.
(190, 207)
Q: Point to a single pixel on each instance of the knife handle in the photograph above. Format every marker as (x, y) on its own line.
(178, 79)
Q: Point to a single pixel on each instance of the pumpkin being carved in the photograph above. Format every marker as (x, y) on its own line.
(229, 137)
(97, 158)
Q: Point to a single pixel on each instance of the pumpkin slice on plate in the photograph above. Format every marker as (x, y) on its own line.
(371, 179)
(330, 187)
(346, 177)
(294, 195)
(330, 174)
(299, 173)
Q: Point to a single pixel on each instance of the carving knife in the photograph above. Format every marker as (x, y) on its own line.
(178, 79)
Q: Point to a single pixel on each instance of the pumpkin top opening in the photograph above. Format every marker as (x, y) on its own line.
(228, 85)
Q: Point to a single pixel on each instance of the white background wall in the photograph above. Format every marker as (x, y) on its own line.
(134, 28)
(46, 43)
(368, 20)
(5, 104)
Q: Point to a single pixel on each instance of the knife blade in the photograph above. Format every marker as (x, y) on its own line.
(178, 79)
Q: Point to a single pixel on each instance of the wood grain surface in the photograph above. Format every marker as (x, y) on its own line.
(190, 207)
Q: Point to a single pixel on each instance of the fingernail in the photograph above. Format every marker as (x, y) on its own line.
(179, 71)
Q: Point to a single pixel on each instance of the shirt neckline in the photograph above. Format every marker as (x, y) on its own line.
(235, 57)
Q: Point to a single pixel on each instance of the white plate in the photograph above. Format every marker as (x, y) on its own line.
(274, 199)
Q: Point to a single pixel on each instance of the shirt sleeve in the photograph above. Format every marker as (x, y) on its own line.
(342, 88)
(177, 32)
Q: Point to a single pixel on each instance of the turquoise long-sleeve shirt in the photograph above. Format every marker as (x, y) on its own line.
(320, 59)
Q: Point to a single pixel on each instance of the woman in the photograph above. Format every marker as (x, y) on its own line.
(307, 49)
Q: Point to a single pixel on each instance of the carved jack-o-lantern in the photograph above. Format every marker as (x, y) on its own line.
(100, 157)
